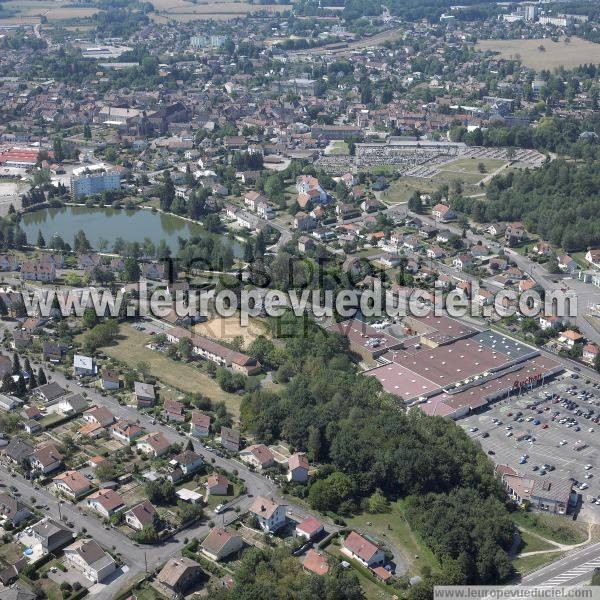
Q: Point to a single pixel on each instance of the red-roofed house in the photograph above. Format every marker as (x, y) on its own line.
(258, 455)
(298, 468)
(359, 548)
(316, 562)
(309, 528)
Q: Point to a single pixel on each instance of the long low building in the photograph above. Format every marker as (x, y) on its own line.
(215, 352)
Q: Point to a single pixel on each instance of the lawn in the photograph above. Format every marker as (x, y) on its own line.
(130, 349)
(528, 564)
(393, 526)
(532, 543)
(558, 529)
(554, 55)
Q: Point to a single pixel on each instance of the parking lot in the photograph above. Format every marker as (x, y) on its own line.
(537, 434)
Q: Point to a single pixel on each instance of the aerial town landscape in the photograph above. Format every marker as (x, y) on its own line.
(298, 300)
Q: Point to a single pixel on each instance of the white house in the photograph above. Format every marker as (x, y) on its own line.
(106, 502)
(270, 515)
(361, 549)
(141, 515)
(199, 424)
(88, 557)
(298, 468)
(84, 366)
(257, 455)
(220, 543)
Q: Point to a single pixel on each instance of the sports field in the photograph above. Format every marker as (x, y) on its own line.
(554, 54)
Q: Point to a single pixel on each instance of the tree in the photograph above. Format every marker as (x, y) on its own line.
(131, 270)
(185, 348)
(57, 148)
(16, 364)
(8, 385)
(81, 243)
(90, 318)
(41, 377)
(143, 369)
(87, 132)
(3, 308)
(106, 471)
(327, 494)
(167, 192)
(41, 242)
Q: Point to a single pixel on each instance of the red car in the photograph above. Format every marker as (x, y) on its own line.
(509, 414)
(545, 426)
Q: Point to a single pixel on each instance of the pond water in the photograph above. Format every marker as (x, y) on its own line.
(110, 223)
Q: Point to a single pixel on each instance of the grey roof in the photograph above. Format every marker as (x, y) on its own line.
(78, 402)
(17, 593)
(145, 390)
(50, 391)
(18, 449)
(511, 348)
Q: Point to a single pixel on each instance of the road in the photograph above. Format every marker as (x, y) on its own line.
(575, 569)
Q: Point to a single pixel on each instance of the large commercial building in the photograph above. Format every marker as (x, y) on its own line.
(445, 367)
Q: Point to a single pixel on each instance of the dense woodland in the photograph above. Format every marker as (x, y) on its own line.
(367, 443)
(560, 202)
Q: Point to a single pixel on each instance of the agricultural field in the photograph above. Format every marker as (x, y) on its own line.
(555, 54)
(184, 11)
(28, 12)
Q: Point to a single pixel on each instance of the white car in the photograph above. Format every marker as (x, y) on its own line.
(584, 486)
(588, 476)
(562, 442)
(588, 467)
(509, 433)
(591, 430)
(473, 429)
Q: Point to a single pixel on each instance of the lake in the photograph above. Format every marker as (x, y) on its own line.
(110, 224)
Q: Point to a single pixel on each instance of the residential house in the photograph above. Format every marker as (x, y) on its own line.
(435, 252)
(298, 468)
(514, 233)
(52, 352)
(46, 459)
(462, 261)
(547, 494)
(72, 405)
(141, 515)
(593, 257)
(88, 557)
(310, 528)
(110, 380)
(549, 321)
(84, 366)
(125, 432)
(496, 229)
(542, 249)
(316, 562)
(144, 394)
(258, 456)
(174, 411)
(199, 424)
(220, 543)
(92, 430)
(303, 222)
(217, 485)
(49, 393)
(155, 444)
(590, 352)
(106, 502)
(38, 270)
(361, 549)
(306, 244)
(566, 264)
(72, 484)
(21, 340)
(12, 510)
(189, 462)
(230, 439)
(8, 403)
(154, 271)
(180, 574)
(443, 213)
(100, 415)
(270, 515)
(18, 451)
(50, 535)
(569, 338)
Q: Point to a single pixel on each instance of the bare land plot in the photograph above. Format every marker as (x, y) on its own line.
(554, 55)
(225, 329)
(182, 10)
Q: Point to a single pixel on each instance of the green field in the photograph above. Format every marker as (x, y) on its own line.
(532, 543)
(393, 526)
(527, 564)
(465, 170)
(557, 529)
(131, 349)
